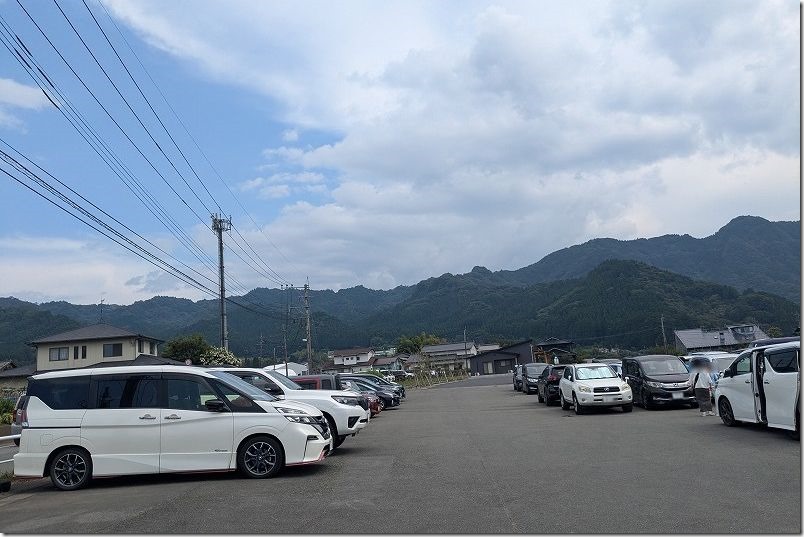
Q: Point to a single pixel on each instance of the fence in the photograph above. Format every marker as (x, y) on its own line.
(425, 379)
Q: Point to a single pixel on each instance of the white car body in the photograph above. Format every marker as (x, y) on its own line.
(580, 387)
(740, 389)
(348, 419)
(156, 437)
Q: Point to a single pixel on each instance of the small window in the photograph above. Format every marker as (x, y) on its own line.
(236, 400)
(112, 350)
(783, 362)
(188, 394)
(129, 391)
(83, 352)
(75, 352)
(57, 354)
(140, 346)
(742, 366)
(64, 393)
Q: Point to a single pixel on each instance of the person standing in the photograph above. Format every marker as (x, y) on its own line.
(702, 384)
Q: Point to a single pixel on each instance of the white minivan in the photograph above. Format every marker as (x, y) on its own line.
(762, 386)
(82, 423)
(341, 409)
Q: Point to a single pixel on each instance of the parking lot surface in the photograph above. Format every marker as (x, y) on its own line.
(470, 457)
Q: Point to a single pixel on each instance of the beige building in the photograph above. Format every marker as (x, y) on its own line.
(91, 345)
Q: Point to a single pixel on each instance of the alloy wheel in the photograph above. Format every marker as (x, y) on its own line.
(726, 412)
(70, 469)
(260, 458)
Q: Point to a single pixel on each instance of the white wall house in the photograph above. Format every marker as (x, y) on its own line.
(350, 360)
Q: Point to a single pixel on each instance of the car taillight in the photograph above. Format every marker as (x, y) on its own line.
(23, 417)
(552, 377)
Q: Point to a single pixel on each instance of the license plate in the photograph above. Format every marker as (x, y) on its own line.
(609, 398)
(678, 395)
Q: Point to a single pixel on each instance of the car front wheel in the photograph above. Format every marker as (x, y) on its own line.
(260, 457)
(628, 408)
(564, 404)
(539, 395)
(576, 405)
(726, 412)
(71, 469)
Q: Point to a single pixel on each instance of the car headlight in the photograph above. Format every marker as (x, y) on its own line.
(295, 415)
(532, 379)
(286, 410)
(345, 400)
(653, 384)
(585, 389)
(624, 387)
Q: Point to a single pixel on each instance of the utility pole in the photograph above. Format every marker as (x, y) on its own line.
(100, 320)
(307, 315)
(259, 346)
(465, 350)
(285, 328)
(219, 225)
(664, 336)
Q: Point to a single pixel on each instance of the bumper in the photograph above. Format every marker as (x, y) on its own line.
(349, 421)
(551, 392)
(314, 452)
(663, 397)
(29, 464)
(608, 399)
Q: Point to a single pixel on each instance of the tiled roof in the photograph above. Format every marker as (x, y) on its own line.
(352, 352)
(698, 338)
(447, 347)
(95, 331)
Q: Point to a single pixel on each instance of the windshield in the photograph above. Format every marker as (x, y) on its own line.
(242, 386)
(534, 370)
(597, 372)
(672, 366)
(283, 380)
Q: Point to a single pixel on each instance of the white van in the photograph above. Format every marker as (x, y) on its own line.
(84, 423)
(341, 409)
(762, 386)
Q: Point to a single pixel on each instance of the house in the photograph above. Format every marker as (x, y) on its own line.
(485, 347)
(730, 338)
(15, 379)
(293, 369)
(390, 363)
(91, 345)
(349, 360)
(450, 356)
(502, 359)
(553, 349)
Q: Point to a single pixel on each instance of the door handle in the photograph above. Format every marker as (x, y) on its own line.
(748, 382)
(147, 417)
(767, 382)
(173, 417)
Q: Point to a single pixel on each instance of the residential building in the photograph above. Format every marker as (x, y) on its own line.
(293, 369)
(390, 363)
(91, 345)
(485, 347)
(349, 360)
(450, 356)
(554, 350)
(730, 338)
(502, 359)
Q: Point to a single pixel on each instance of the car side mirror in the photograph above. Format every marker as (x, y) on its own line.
(215, 405)
(625, 378)
(727, 373)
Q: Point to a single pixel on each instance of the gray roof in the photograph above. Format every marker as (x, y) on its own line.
(20, 371)
(95, 331)
(387, 360)
(503, 350)
(352, 352)
(7, 365)
(552, 341)
(447, 347)
(698, 338)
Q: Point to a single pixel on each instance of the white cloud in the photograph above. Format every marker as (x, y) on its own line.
(274, 191)
(14, 95)
(290, 135)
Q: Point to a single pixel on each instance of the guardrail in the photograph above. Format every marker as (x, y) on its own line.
(10, 437)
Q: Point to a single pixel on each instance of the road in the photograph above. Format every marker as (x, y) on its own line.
(474, 457)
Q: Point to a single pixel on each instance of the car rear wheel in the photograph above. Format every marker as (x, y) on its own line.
(628, 408)
(646, 404)
(338, 440)
(726, 412)
(539, 395)
(260, 457)
(577, 406)
(71, 469)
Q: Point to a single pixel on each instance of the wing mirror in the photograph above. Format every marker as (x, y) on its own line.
(625, 378)
(727, 373)
(215, 405)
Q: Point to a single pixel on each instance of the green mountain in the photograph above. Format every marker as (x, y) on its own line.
(607, 291)
(747, 253)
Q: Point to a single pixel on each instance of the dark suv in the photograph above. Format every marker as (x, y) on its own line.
(530, 374)
(658, 379)
(547, 385)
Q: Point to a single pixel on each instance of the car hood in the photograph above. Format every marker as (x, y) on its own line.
(614, 381)
(673, 377)
(300, 395)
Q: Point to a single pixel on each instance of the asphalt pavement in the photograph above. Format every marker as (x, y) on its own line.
(470, 457)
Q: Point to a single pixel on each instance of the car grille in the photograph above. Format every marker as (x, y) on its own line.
(607, 389)
(321, 426)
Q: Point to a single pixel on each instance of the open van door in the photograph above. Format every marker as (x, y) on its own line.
(781, 385)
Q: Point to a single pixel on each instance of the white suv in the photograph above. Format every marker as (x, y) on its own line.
(586, 385)
(158, 419)
(341, 409)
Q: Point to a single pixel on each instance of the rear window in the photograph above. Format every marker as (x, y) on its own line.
(326, 384)
(127, 391)
(64, 393)
(306, 384)
(783, 362)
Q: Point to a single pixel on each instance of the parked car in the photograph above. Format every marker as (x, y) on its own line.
(387, 397)
(615, 363)
(547, 384)
(342, 410)
(593, 385)
(370, 400)
(16, 423)
(658, 379)
(517, 378)
(763, 386)
(397, 388)
(160, 419)
(530, 375)
(318, 382)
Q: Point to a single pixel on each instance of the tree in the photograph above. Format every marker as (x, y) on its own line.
(186, 347)
(413, 345)
(220, 356)
(774, 331)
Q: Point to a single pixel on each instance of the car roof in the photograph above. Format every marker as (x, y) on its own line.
(591, 364)
(122, 370)
(653, 357)
(783, 346)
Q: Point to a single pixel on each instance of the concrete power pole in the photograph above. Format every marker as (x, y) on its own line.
(664, 336)
(285, 329)
(307, 315)
(219, 225)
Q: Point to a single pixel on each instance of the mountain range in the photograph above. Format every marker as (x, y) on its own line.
(603, 291)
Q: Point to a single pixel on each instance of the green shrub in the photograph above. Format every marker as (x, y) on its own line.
(6, 405)
(6, 418)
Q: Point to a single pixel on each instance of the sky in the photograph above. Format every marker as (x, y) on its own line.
(381, 143)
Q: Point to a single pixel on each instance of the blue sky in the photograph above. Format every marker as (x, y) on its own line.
(380, 144)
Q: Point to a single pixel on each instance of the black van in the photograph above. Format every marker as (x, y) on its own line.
(658, 379)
